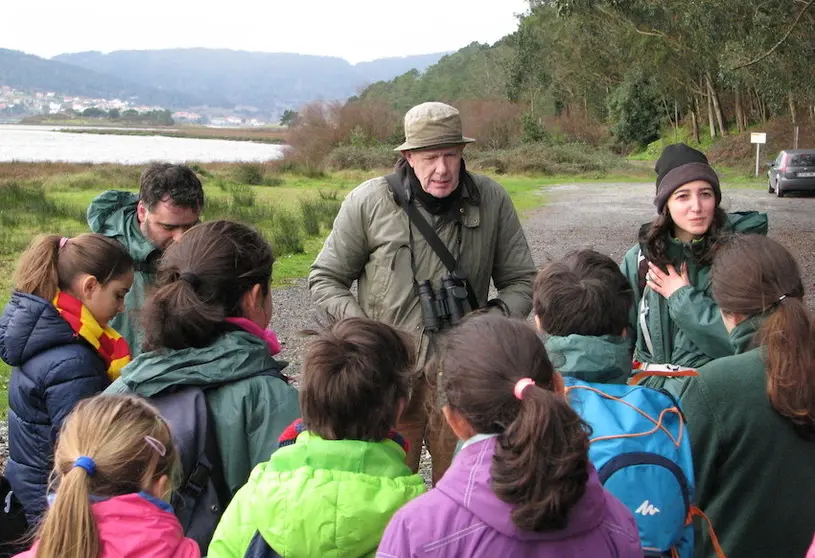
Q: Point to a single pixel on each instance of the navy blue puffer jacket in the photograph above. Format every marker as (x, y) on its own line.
(53, 370)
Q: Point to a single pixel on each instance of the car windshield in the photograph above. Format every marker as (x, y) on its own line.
(803, 160)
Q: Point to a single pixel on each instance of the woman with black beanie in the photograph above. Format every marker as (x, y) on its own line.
(675, 324)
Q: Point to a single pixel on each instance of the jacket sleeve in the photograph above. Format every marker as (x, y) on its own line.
(69, 382)
(630, 268)
(513, 270)
(395, 541)
(341, 261)
(250, 417)
(697, 315)
(705, 437)
(235, 529)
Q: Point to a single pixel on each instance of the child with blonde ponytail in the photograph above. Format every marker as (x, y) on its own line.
(54, 333)
(112, 472)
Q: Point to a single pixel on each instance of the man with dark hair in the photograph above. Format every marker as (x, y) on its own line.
(422, 243)
(582, 303)
(169, 202)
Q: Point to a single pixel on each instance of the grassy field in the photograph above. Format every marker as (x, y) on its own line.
(294, 212)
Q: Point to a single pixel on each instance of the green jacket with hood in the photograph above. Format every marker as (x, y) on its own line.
(249, 412)
(753, 471)
(370, 243)
(319, 498)
(113, 214)
(603, 360)
(685, 329)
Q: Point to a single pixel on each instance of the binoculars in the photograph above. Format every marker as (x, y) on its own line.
(448, 306)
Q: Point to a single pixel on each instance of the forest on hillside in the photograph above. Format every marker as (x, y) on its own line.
(617, 73)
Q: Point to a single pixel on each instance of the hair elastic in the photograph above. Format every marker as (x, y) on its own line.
(156, 445)
(63, 241)
(85, 462)
(521, 385)
(191, 278)
(781, 298)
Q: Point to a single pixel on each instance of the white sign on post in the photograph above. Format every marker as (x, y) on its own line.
(758, 138)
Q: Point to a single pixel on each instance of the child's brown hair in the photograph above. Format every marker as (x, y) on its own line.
(130, 447)
(52, 262)
(541, 463)
(354, 375)
(585, 293)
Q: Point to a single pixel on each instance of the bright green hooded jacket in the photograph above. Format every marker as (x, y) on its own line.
(249, 412)
(319, 498)
(113, 214)
(686, 329)
(604, 359)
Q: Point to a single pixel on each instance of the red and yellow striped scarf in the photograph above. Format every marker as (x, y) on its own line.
(111, 346)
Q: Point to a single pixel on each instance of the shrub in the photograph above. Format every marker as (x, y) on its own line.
(287, 234)
(242, 195)
(249, 174)
(493, 122)
(364, 158)
(634, 109)
(319, 214)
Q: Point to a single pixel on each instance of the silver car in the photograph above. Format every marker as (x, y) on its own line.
(793, 169)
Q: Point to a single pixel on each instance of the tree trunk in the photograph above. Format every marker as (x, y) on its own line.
(792, 107)
(710, 117)
(694, 119)
(717, 106)
(741, 123)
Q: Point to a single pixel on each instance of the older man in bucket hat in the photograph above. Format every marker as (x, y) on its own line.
(402, 278)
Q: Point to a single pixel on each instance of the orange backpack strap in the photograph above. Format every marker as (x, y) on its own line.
(640, 376)
(717, 548)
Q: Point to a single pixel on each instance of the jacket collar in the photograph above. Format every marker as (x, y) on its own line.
(605, 359)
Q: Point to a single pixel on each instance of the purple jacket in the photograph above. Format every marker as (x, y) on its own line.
(462, 516)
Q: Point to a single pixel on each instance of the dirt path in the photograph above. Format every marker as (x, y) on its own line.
(605, 217)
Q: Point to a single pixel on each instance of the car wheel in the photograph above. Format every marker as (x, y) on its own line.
(778, 191)
(770, 186)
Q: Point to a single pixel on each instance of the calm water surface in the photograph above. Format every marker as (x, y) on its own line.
(43, 143)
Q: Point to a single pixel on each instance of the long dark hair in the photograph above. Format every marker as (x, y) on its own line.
(754, 275)
(541, 463)
(656, 238)
(201, 280)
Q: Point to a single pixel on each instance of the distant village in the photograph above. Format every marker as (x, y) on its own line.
(16, 104)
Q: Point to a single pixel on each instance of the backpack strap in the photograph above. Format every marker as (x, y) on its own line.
(714, 540)
(665, 373)
(413, 213)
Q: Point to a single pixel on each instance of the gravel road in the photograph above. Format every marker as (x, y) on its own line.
(603, 216)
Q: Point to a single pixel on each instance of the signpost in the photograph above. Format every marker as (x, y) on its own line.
(758, 138)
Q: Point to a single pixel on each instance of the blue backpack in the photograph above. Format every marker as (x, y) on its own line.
(641, 450)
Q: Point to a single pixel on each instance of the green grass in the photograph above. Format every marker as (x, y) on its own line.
(289, 209)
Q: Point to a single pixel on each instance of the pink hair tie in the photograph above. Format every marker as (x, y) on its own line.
(521, 385)
(63, 241)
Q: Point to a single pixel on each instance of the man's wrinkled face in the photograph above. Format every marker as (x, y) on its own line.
(166, 222)
(437, 169)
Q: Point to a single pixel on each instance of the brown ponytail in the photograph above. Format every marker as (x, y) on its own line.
(541, 463)
(112, 431)
(45, 266)
(201, 280)
(754, 276)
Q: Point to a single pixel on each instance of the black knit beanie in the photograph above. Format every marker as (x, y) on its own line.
(679, 164)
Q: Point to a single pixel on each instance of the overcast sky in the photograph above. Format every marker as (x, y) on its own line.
(357, 30)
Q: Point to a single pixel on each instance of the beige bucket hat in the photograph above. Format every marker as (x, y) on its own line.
(432, 124)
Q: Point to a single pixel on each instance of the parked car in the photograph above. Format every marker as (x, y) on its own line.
(793, 169)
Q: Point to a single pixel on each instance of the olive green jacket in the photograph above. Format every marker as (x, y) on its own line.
(370, 243)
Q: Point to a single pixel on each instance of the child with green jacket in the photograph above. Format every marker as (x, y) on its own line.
(340, 472)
